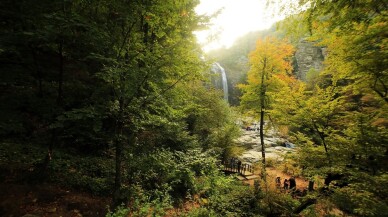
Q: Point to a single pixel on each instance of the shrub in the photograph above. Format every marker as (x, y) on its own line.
(144, 203)
(200, 212)
(231, 198)
(92, 174)
(274, 203)
(185, 173)
(359, 202)
(271, 162)
(290, 166)
(121, 211)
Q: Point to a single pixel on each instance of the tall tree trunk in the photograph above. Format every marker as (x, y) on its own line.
(262, 110)
(38, 73)
(322, 137)
(119, 157)
(262, 135)
(60, 74)
(119, 145)
(119, 153)
(311, 185)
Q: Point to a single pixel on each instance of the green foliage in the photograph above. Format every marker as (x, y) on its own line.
(194, 176)
(269, 65)
(181, 174)
(109, 81)
(269, 68)
(120, 212)
(274, 203)
(91, 174)
(235, 59)
(271, 162)
(291, 165)
(200, 212)
(25, 163)
(359, 201)
(210, 119)
(233, 200)
(27, 154)
(142, 205)
(338, 119)
(312, 77)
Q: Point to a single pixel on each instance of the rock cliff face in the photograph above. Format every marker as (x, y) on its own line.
(307, 57)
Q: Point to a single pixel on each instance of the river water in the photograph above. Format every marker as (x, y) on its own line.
(274, 146)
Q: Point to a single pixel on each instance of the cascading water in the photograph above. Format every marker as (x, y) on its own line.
(224, 82)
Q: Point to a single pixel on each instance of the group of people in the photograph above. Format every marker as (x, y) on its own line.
(287, 183)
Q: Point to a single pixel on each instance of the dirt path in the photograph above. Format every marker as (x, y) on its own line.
(272, 173)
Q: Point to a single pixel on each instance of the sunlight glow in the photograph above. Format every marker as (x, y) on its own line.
(237, 18)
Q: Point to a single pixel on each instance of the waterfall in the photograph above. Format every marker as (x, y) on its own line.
(224, 82)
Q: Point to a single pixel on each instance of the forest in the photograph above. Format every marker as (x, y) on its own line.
(108, 108)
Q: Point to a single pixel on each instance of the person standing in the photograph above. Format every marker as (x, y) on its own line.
(292, 183)
(285, 184)
(278, 182)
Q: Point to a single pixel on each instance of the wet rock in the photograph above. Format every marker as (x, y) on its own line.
(274, 146)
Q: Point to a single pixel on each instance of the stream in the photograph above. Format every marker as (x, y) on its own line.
(275, 147)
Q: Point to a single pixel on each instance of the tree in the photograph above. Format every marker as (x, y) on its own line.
(269, 65)
(152, 53)
(94, 73)
(356, 29)
(347, 103)
(44, 55)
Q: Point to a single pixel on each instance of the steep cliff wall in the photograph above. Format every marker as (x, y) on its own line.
(235, 62)
(307, 57)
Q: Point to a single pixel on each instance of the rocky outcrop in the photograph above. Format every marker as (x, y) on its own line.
(308, 56)
(275, 146)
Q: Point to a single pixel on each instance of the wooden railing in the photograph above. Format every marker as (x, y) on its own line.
(234, 165)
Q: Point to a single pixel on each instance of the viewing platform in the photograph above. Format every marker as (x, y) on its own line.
(244, 170)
